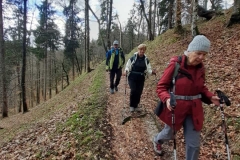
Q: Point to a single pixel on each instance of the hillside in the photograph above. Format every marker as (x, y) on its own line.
(223, 72)
(84, 121)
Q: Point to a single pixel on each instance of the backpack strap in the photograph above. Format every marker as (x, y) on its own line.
(177, 66)
(134, 58)
(175, 73)
(146, 60)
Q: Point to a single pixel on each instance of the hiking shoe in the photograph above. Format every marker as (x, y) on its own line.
(138, 109)
(132, 109)
(157, 147)
(116, 89)
(111, 90)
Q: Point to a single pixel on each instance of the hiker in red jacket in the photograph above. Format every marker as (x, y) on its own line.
(190, 91)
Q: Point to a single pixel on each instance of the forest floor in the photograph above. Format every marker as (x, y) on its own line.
(84, 121)
(35, 134)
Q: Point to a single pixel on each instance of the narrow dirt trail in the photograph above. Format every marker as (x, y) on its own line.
(133, 140)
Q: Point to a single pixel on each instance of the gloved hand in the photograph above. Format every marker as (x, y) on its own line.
(215, 100)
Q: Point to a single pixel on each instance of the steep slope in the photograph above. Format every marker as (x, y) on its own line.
(71, 125)
(222, 65)
(84, 121)
(133, 140)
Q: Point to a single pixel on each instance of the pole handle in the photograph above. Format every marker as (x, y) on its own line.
(223, 98)
(173, 101)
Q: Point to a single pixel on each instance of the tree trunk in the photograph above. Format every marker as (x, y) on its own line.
(31, 82)
(73, 68)
(150, 16)
(139, 26)
(55, 73)
(25, 108)
(99, 29)
(81, 59)
(235, 17)
(38, 84)
(19, 70)
(213, 4)
(236, 7)
(85, 37)
(178, 17)
(78, 67)
(46, 55)
(158, 21)
(205, 4)
(154, 18)
(66, 74)
(62, 77)
(42, 78)
(72, 38)
(132, 38)
(120, 27)
(87, 41)
(109, 24)
(19, 87)
(148, 22)
(170, 14)
(144, 26)
(194, 27)
(45, 75)
(2, 67)
(50, 76)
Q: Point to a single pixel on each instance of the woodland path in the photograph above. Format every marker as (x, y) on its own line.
(133, 140)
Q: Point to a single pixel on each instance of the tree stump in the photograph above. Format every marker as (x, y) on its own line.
(208, 14)
(235, 18)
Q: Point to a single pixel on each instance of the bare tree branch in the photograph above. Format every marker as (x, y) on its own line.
(104, 46)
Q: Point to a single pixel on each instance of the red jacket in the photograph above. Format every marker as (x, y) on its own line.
(190, 81)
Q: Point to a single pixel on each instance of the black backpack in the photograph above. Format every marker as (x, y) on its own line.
(134, 58)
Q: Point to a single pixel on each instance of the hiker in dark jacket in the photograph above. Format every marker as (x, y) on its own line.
(114, 64)
(136, 68)
(190, 91)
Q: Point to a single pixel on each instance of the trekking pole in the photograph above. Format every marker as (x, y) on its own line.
(156, 80)
(128, 118)
(125, 94)
(173, 103)
(224, 99)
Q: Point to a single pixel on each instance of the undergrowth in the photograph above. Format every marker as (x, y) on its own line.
(86, 124)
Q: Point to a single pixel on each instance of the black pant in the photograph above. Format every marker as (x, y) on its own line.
(118, 72)
(136, 87)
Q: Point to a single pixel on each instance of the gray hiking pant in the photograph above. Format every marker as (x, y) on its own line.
(192, 138)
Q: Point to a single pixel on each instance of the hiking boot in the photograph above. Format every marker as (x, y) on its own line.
(132, 109)
(116, 88)
(140, 106)
(111, 90)
(137, 109)
(157, 147)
